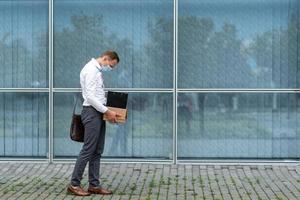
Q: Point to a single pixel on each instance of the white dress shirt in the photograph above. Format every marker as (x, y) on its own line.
(92, 86)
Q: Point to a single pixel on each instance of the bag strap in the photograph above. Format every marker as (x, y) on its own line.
(76, 100)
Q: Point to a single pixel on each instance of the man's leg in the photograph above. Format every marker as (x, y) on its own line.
(94, 163)
(92, 124)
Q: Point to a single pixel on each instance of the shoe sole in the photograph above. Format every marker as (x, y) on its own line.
(98, 193)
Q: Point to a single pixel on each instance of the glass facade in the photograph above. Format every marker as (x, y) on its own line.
(238, 125)
(24, 44)
(24, 124)
(147, 132)
(238, 44)
(207, 79)
(140, 31)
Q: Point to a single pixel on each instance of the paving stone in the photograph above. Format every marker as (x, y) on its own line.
(149, 181)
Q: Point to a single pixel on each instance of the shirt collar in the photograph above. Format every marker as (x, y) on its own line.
(95, 62)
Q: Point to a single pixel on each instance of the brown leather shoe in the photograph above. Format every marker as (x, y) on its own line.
(77, 190)
(99, 190)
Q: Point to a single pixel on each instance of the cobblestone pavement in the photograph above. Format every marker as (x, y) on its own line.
(154, 181)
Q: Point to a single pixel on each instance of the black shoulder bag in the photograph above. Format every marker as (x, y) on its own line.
(77, 128)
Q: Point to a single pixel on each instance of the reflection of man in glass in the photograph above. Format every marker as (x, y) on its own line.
(185, 107)
(119, 140)
(92, 86)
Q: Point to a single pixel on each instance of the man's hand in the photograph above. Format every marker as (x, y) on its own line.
(112, 116)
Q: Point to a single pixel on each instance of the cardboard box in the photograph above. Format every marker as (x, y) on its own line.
(117, 102)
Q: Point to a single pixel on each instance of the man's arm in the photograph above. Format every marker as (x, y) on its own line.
(90, 85)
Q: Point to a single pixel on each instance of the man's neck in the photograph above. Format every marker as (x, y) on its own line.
(99, 61)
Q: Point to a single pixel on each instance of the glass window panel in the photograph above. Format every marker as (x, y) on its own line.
(141, 32)
(24, 124)
(24, 44)
(238, 125)
(146, 134)
(238, 44)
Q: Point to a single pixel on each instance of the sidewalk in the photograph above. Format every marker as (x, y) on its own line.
(149, 181)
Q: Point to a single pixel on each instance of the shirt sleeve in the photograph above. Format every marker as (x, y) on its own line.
(90, 87)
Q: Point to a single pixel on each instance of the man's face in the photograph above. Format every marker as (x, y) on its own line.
(108, 61)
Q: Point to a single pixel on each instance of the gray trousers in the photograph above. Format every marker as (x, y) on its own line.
(94, 137)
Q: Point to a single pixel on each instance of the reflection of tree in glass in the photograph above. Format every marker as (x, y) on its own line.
(159, 52)
(74, 45)
(16, 63)
(275, 56)
(209, 57)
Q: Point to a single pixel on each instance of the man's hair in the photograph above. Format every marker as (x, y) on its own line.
(112, 54)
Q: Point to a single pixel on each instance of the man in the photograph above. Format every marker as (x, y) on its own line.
(92, 86)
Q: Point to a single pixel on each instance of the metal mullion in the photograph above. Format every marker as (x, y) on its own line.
(30, 90)
(117, 89)
(282, 162)
(238, 91)
(141, 89)
(115, 160)
(239, 162)
(35, 160)
(50, 133)
(175, 68)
